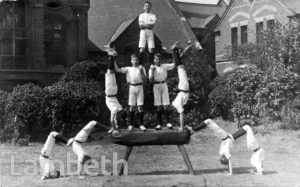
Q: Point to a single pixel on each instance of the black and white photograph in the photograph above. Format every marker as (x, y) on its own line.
(149, 93)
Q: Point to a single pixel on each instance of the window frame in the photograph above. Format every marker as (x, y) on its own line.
(17, 59)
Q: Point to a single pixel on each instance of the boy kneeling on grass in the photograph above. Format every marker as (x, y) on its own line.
(227, 139)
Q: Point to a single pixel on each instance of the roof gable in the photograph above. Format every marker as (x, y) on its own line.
(105, 17)
(292, 5)
(198, 14)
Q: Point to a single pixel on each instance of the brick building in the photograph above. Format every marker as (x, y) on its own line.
(39, 39)
(244, 19)
(203, 19)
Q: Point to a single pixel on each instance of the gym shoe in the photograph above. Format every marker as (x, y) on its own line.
(111, 51)
(116, 133)
(81, 177)
(258, 173)
(110, 130)
(169, 125)
(189, 128)
(143, 128)
(44, 178)
(158, 127)
(175, 45)
(130, 127)
(70, 141)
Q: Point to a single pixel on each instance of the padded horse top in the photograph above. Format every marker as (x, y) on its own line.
(151, 137)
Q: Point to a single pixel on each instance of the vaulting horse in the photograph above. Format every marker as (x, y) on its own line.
(153, 137)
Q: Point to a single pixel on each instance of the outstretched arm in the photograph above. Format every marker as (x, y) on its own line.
(119, 70)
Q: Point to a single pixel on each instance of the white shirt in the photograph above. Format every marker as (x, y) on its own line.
(111, 87)
(183, 81)
(225, 148)
(147, 18)
(83, 135)
(133, 74)
(160, 72)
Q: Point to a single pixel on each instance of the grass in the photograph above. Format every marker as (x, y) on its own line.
(164, 166)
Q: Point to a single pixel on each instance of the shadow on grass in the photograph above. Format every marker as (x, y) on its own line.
(236, 171)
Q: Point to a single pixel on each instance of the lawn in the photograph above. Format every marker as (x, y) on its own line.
(163, 165)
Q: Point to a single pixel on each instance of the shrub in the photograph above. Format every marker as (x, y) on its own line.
(70, 105)
(85, 71)
(280, 86)
(3, 97)
(235, 92)
(25, 102)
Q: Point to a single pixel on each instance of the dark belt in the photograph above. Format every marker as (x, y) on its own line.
(78, 141)
(44, 156)
(157, 82)
(136, 84)
(255, 150)
(225, 138)
(111, 95)
(185, 91)
(146, 28)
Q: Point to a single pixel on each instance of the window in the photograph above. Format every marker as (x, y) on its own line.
(54, 4)
(259, 31)
(270, 25)
(244, 34)
(54, 42)
(13, 41)
(234, 39)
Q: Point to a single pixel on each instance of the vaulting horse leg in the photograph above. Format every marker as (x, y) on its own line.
(126, 156)
(186, 159)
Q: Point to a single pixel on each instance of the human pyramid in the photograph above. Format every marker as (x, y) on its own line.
(136, 77)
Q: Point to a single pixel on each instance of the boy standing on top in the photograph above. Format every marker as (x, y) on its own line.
(146, 22)
(158, 75)
(136, 76)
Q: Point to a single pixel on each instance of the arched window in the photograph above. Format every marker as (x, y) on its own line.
(13, 39)
(54, 40)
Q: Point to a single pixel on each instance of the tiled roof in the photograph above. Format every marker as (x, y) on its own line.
(122, 27)
(292, 5)
(198, 14)
(105, 17)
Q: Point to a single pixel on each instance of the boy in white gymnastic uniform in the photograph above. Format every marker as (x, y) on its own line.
(111, 90)
(258, 152)
(47, 166)
(78, 149)
(183, 85)
(158, 76)
(146, 22)
(136, 76)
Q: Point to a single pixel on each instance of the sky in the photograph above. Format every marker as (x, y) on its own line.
(202, 1)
